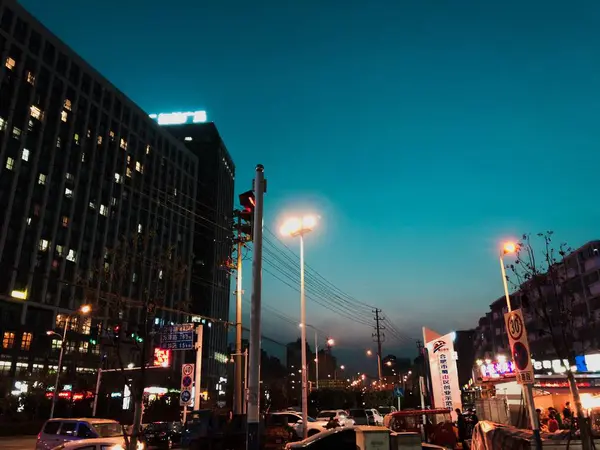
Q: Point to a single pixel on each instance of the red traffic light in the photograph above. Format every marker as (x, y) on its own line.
(248, 201)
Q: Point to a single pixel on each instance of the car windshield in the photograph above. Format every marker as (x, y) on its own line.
(108, 429)
(385, 410)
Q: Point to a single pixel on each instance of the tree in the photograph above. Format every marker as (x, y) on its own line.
(548, 291)
(128, 283)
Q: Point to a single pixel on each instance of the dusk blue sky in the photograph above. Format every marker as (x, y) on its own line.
(422, 132)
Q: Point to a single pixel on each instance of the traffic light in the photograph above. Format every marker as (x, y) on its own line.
(94, 335)
(248, 202)
(137, 337)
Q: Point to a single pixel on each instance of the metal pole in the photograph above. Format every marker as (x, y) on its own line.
(60, 358)
(253, 438)
(245, 410)
(185, 414)
(98, 381)
(198, 368)
(303, 338)
(238, 332)
(527, 388)
(317, 360)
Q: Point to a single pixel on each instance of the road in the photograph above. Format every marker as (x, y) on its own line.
(18, 443)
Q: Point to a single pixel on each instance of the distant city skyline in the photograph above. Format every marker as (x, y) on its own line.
(422, 135)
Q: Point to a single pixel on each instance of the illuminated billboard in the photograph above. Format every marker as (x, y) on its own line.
(179, 118)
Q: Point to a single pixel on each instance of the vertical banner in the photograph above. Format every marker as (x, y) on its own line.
(443, 370)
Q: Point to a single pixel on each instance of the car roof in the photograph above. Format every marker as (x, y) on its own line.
(91, 420)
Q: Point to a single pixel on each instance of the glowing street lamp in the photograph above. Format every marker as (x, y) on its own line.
(84, 309)
(330, 342)
(369, 353)
(298, 227)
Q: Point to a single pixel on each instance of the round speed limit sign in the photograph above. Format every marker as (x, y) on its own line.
(187, 369)
(515, 326)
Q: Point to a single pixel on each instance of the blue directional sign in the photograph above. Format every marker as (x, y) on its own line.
(398, 392)
(186, 396)
(177, 337)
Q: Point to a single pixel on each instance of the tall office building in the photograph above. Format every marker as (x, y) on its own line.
(210, 288)
(99, 204)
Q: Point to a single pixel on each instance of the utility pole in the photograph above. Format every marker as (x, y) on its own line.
(253, 437)
(198, 374)
(379, 336)
(237, 401)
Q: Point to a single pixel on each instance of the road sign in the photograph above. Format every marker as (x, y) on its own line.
(177, 337)
(517, 337)
(187, 375)
(398, 392)
(186, 396)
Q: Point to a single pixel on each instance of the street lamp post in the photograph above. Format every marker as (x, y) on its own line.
(298, 227)
(85, 309)
(510, 248)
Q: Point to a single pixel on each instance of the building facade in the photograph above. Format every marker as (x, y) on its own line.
(580, 283)
(210, 281)
(99, 205)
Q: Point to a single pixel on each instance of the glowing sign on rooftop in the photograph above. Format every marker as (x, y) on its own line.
(178, 118)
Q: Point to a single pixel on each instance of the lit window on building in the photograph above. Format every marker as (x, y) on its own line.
(188, 138)
(26, 341)
(68, 193)
(69, 176)
(104, 210)
(25, 155)
(96, 349)
(160, 274)
(123, 144)
(139, 227)
(147, 149)
(42, 179)
(72, 256)
(118, 178)
(65, 221)
(43, 245)
(16, 133)
(60, 320)
(5, 367)
(67, 104)
(92, 205)
(10, 63)
(56, 344)
(70, 347)
(10, 163)
(111, 134)
(58, 142)
(8, 339)
(83, 157)
(59, 250)
(128, 172)
(30, 78)
(64, 116)
(99, 140)
(2, 124)
(36, 112)
(83, 347)
(86, 325)
(139, 167)
(76, 138)
(30, 125)
(29, 221)
(113, 201)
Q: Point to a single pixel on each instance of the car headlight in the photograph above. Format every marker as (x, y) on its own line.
(117, 447)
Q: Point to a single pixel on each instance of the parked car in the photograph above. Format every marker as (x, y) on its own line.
(343, 418)
(162, 434)
(94, 444)
(295, 421)
(360, 416)
(56, 432)
(374, 416)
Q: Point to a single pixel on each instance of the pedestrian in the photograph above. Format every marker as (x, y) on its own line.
(461, 424)
(552, 423)
(567, 413)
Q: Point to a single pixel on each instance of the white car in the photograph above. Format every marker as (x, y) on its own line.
(57, 432)
(96, 444)
(295, 421)
(342, 417)
(377, 418)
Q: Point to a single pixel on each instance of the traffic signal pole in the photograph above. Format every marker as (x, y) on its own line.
(238, 400)
(198, 374)
(253, 428)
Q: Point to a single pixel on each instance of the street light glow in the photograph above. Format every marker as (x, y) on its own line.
(330, 342)
(85, 309)
(295, 226)
(509, 247)
(369, 352)
(342, 367)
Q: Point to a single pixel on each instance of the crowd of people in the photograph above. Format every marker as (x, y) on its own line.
(552, 420)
